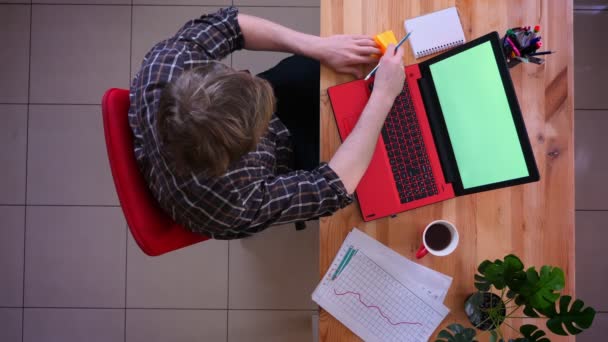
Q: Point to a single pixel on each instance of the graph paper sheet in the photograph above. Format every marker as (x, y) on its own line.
(373, 303)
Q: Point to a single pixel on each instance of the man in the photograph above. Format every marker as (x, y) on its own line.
(213, 153)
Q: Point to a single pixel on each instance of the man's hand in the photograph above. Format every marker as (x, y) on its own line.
(344, 53)
(390, 75)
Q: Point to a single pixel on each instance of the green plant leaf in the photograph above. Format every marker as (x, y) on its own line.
(568, 316)
(493, 336)
(469, 334)
(539, 290)
(457, 328)
(501, 273)
(458, 334)
(529, 311)
(481, 283)
(531, 333)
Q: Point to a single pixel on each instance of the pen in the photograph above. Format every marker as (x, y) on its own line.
(343, 262)
(541, 53)
(352, 254)
(534, 40)
(371, 73)
(515, 50)
(531, 59)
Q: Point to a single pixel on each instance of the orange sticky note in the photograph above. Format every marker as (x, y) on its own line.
(384, 39)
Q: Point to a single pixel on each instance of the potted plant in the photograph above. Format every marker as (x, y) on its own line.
(504, 287)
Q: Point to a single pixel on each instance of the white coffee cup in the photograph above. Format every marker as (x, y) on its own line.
(436, 242)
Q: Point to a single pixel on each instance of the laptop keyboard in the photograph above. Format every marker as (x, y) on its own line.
(406, 151)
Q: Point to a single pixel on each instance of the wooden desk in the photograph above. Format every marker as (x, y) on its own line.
(534, 221)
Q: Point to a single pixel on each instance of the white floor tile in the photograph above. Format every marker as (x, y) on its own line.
(176, 325)
(75, 257)
(277, 2)
(86, 2)
(598, 331)
(270, 326)
(590, 70)
(15, 38)
(223, 3)
(591, 164)
(12, 228)
(10, 325)
(275, 269)
(66, 325)
(78, 52)
(13, 140)
(68, 162)
(195, 277)
(591, 267)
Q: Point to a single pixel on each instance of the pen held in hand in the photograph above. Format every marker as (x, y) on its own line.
(371, 73)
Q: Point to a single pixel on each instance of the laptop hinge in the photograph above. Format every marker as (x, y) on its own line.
(440, 134)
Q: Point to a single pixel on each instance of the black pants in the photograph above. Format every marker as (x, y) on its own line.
(295, 81)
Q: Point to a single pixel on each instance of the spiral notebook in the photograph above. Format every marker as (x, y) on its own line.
(435, 32)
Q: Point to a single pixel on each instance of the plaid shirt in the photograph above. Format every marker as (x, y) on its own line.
(256, 192)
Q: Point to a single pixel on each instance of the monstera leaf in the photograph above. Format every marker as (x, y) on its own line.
(460, 334)
(574, 318)
(501, 274)
(481, 282)
(538, 291)
(531, 333)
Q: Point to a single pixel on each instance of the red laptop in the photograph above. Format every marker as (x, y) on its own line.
(455, 129)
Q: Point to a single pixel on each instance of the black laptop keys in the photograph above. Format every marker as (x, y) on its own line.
(407, 154)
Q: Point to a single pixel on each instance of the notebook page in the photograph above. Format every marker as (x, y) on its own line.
(373, 303)
(434, 284)
(435, 32)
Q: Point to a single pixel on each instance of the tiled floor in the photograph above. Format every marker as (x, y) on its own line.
(591, 160)
(69, 269)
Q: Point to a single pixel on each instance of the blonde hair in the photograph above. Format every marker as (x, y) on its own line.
(211, 116)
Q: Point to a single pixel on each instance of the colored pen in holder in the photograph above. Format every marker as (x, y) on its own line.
(521, 44)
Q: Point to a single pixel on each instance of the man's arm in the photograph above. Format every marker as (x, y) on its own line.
(214, 34)
(353, 156)
(342, 52)
(302, 195)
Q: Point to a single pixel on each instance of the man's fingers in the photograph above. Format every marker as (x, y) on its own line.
(390, 51)
(368, 50)
(365, 59)
(400, 52)
(362, 37)
(365, 42)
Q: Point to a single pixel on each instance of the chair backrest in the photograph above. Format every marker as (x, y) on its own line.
(153, 230)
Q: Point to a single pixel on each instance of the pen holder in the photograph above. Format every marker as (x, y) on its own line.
(520, 44)
(511, 62)
(508, 52)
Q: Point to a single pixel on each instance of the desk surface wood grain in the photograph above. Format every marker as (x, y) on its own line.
(534, 221)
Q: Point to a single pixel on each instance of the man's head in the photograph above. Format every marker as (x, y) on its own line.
(211, 116)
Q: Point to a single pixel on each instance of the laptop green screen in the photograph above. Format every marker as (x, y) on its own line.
(478, 117)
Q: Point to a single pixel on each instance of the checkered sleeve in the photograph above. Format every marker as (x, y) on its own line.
(296, 196)
(217, 34)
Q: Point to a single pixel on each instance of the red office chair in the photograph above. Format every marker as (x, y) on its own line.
(153, 230)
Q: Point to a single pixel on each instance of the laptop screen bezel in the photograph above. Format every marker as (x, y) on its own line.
(440, 128)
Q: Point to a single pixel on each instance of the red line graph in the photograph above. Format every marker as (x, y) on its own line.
(358, 295)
